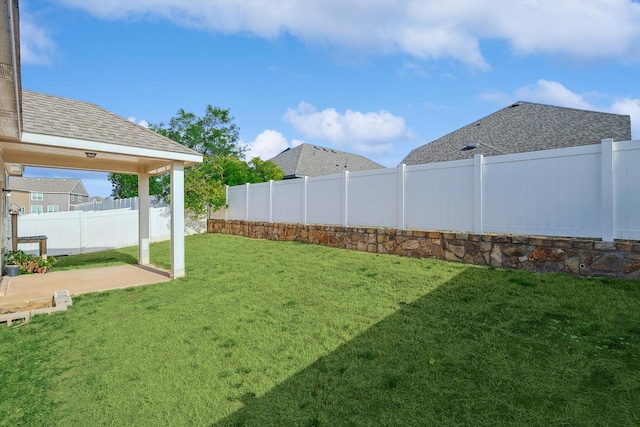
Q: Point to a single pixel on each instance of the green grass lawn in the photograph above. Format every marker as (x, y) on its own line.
(264, 333)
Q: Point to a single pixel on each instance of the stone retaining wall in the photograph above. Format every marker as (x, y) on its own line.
(583, 257)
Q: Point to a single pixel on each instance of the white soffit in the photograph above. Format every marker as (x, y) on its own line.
(93, 146)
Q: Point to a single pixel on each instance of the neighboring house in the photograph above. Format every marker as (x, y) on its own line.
(313, 160)
(41, 195)
(524, 127)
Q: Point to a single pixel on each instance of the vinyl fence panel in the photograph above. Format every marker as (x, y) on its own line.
(372, 199)
(289, 201)
(626, 161)
(84, 231)
(260, 205)
(547, 192)
(439, 196)
(61, 228)
(237, 202)
(325, 204)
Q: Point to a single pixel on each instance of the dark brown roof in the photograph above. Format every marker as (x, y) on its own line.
(523, 127)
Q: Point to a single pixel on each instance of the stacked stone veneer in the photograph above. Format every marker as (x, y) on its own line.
(584, 257)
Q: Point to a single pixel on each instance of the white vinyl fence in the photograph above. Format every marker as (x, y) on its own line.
(588, 191)
(80, 231)
(109, 204)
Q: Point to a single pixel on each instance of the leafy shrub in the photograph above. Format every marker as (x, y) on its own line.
(30, 263)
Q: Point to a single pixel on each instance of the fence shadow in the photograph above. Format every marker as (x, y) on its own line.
(482, 349)
(408, 369)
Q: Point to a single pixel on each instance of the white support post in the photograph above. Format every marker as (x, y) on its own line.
(177, 220)
(345, 198)
(304, 199)
(270, 201)
(477, 193)
(247, 186)
(226, 202)
(401, 171)
(81, 231)
(606, 179)
(143, 218)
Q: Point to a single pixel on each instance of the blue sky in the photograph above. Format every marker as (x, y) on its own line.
(372, 77)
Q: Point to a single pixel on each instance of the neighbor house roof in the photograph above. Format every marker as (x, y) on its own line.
(69, 118)
(313, 160)
(48, 185)
(523, 127)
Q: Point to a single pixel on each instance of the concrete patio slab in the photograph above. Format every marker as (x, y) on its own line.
(37, 289)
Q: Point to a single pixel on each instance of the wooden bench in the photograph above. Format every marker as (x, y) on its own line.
(41, 240)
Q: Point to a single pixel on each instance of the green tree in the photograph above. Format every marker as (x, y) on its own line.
(124, 185)
(264, 170)
(213, 134)
(216, 137)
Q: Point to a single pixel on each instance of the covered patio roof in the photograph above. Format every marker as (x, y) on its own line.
(66, 133)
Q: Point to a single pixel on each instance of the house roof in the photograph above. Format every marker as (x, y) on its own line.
(524, 127)
(48, 185)
(69, 118)
(313, 160)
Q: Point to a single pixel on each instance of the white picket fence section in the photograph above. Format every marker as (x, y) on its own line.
(589, 191)
(82, 231)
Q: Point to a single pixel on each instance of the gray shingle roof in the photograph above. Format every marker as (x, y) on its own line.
(69, 118)
(48, 185)
(313, 160)
(523, 127)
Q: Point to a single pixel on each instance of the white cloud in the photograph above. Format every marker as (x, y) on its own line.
(424, 29)
(368, 133)
(554, 93)
(267, 145)
(630, 106)
(411, 68)
(143, 123)
(36, 46)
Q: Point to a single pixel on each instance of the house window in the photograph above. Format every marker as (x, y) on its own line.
(36, 209)
(53, 208)
(79, 198)
(73, 197)
(37, 196)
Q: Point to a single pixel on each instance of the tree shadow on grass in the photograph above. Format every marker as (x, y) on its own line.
(472, 352)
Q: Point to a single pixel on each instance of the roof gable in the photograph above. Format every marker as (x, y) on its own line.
(80, 189)
(524, 127)
(313, 160)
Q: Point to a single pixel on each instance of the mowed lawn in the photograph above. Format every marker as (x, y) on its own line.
(264, 333)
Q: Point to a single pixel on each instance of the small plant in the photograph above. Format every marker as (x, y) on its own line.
(28, 263)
